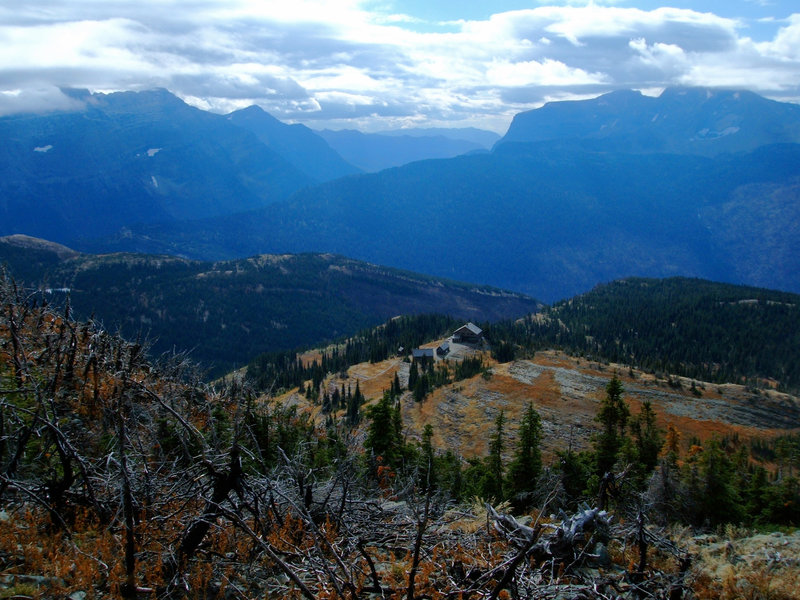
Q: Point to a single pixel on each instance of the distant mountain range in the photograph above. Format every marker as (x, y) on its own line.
(148, 157)
(482, 137)
(679, 121)
(699, 183)
(131, 158)
(302, 147)
(374, 152)
(224, 313)
(546, 220)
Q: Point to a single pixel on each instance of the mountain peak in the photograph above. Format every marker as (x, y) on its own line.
(252, 111)
(305, 149)
(682, 120)
(158, 98)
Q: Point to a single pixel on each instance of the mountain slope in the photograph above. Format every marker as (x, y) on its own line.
(133, 460)
(548, 220)
(690, 327)
(131, 158)
(707, 356)
(680, 120)
(306, 150)
(227, 312)
(377, 151)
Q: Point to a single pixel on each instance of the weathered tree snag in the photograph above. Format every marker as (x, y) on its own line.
(565, 545)
(128, 589)
(422, 524)
(224, 484)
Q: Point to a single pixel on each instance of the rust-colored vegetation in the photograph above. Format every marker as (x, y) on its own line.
(124, 478)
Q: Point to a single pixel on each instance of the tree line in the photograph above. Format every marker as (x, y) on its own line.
(699, 329)
(277, 371)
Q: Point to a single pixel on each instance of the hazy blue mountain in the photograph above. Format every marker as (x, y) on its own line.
(298, 144)
(131, 158)
(550, 218)
(680, 120)
(544, 219)
(227, 312)
(482, 137)
(374, 152)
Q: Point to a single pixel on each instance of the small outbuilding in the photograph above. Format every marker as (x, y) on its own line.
(443, 349)
(422, 353)
(468, 334)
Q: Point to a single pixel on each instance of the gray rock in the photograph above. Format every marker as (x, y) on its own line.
(602, 557)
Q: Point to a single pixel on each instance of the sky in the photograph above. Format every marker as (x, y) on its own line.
(385, 64)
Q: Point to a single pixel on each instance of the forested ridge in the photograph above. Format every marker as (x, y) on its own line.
(225, 313)
(283, 370)
(699, 329)
(694, 328)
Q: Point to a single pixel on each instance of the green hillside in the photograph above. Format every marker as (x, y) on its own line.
(691, 327)
(224, 313)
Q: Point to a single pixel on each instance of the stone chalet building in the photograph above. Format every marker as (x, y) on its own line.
(422, 353)
(468, 334)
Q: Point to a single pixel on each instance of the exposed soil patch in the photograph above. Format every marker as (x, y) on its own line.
(566, 393)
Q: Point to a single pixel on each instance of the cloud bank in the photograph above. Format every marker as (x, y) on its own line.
(343, 64)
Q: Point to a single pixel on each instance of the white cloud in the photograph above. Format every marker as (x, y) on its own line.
(669, 59)
(547, 72)
(35, 100)
(786, 45)
(335, 61)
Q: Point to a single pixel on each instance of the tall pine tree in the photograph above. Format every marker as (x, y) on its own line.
(493, 483)
(526, 466)
(647, 442)
(613, 417)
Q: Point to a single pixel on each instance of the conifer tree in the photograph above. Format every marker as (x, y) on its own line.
(397, 421)
(421, 388)
(382, 438)
(524, 469)
(427, 464)
(575, 469)
(718, 500)
(396, 388)
(782, 502)
(613, 417)
(755, 495)
(493, 485)
(357, 395)
(647, 442)
(354, 402)
(413, 375)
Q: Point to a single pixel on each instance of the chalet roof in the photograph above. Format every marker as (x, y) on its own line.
(422, 352)
(444, 345)
(472, 328)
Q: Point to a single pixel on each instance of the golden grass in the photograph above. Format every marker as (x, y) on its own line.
(463, 413)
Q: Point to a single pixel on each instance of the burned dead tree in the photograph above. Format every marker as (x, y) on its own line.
(572, 559)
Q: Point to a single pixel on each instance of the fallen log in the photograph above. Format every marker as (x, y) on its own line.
(566, 544)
